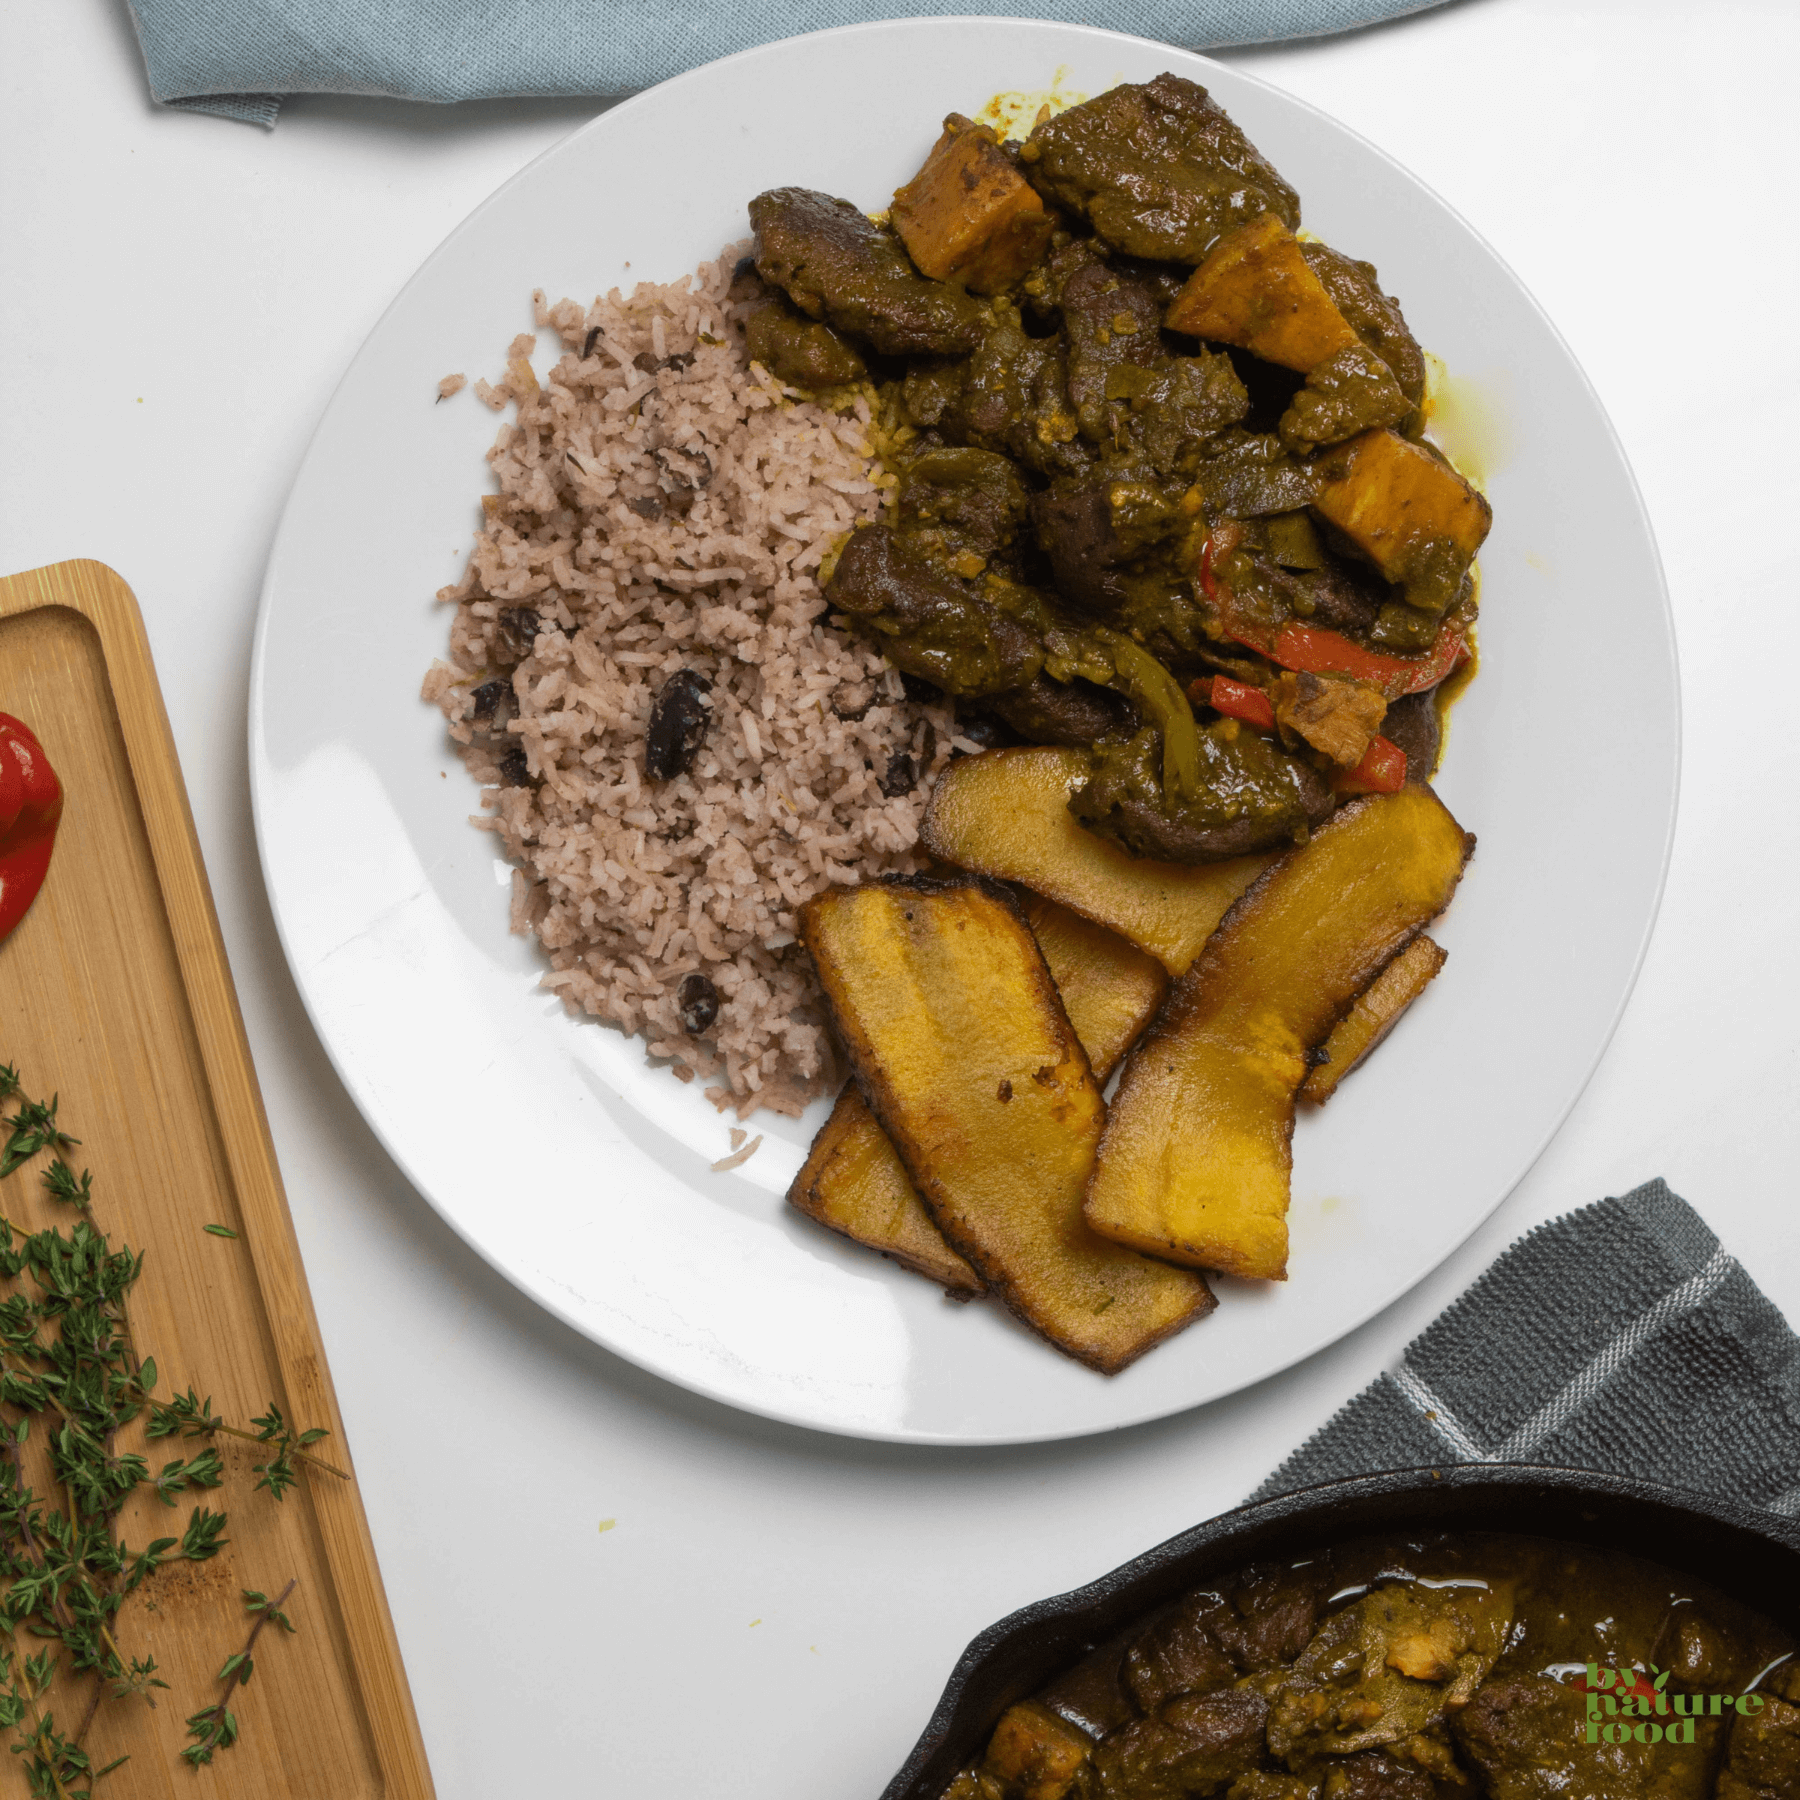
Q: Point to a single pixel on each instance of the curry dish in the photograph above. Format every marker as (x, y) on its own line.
(1163, 491)
(1467, 1665)
(1165, 530)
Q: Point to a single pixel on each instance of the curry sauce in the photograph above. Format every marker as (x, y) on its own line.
(1418, 1668)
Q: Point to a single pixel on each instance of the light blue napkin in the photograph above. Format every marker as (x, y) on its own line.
(241, 58)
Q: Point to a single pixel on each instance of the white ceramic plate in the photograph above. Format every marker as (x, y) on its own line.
(582, 1173)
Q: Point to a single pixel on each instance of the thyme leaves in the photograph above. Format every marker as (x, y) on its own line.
(71, 1379)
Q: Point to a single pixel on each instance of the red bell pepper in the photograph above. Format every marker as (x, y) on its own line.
(31, 802)
(1323, 652)
(1319, 651)
(1381, 771)
(1208, 582)
(1235, 699)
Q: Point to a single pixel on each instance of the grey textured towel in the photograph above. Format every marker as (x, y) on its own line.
(1620, 1338)
(239, 58)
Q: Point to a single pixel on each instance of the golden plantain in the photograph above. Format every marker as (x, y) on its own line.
(963, 1050)
(1195, 1162)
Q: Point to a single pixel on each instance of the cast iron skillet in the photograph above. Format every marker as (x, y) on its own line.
(1749, 1554)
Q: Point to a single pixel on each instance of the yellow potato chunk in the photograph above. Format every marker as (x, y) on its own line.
(1400, 505)
(853, 1180)
(1034, 1755)
(962, 1048)
(1376, 1012)
(968, 215)
(1256, 290)
(1197, 1154)
(1006, 813)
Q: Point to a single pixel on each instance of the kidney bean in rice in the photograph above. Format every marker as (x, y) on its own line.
(662, 512)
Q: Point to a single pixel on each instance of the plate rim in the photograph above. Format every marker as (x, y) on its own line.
(542, 1295)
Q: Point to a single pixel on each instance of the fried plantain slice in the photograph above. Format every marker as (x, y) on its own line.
(853, 1180)
(1109, 987)
(1376, 1012)
(1197, 1153)
(963, 1050)
(1005, 813)
(854, 1183)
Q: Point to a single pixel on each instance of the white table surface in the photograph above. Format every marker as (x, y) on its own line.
(774, 1611)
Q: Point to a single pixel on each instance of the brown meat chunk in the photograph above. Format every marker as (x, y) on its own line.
(1074, 525)
(836, 264)
(1387, 1667)
(968, 215)
(1526, 1737)
(1093, 1693)
(1111, 317)
(1097, 530)
(1175, 416)
(1180, 1653)
(799, 351)
(926, 621)
(1372, 1776)
(1061, 712)
(1337, 717)
(1011, 396)
(1158, 170)
(972, 497)
(1252, 796)
(1271, 1617)
(1762, 1761)
(1258, 1622)
(1412, 722)
(1351, 391)
(1375, 317)
(1195, 1746)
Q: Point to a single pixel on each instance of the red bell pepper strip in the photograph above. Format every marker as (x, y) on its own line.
(1323, 652)
(1319, 651)
(1381, 771)
(1208, 582)
(31, 802)
(1235, 699)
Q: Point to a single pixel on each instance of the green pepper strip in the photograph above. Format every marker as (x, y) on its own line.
(1160, 695)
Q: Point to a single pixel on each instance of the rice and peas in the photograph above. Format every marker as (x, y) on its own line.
(664, 505)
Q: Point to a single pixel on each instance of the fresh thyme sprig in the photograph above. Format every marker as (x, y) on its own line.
(215, 1727)
(193, 1417)
(70, 1370)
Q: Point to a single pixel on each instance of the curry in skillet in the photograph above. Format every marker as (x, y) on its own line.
(1465, 1665)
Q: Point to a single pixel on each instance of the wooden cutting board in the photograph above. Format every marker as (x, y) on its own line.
(115, 994)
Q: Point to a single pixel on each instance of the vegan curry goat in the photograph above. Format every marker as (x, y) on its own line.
(1473, 1665)
(1166, 529)
(1164, 494)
